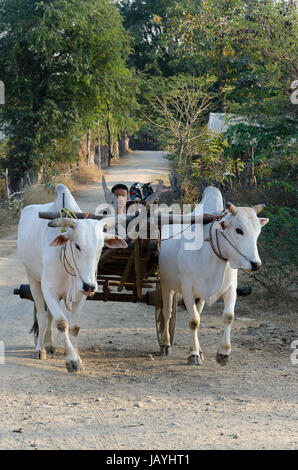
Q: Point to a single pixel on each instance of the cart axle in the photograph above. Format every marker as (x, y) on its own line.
(24, 292)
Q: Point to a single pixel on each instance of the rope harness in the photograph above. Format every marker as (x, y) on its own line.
(76, 272)
(63, 257)
(217, 251)
(175, 235)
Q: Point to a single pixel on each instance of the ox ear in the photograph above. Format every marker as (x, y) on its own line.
(113, 241)
(221, 225)
(263, 221)
(61, 240)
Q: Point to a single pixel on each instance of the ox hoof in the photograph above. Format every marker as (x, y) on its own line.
(50, 350)
(73, 366)
(222, 359)
(196, 359)
(165, 350)
(40, 354)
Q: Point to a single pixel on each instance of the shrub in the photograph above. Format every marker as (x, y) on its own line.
(190, 193)
(6, 221)
(278, 249)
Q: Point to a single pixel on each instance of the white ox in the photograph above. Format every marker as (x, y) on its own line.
(51, 279)
(205, 275)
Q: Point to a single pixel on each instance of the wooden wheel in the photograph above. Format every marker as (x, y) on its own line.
(159, 320)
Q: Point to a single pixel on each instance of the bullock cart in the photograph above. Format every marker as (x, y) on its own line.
(130, 274)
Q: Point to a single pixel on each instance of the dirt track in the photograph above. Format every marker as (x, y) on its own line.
(127, 397)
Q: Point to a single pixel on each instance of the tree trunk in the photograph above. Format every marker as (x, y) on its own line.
(88, 148)
(126, 142)
(6, 185)
(253, 176)
(221, 66)
(109, 135)
(98, 143)
(237, 172)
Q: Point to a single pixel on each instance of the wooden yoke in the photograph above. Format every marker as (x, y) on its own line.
(171, 218)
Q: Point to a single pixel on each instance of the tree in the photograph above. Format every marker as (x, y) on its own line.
(57, 58)
(265, 98)
(150, 52)
(178, 108)
(250, 48)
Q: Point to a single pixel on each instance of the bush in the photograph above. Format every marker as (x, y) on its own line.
(278, 249)
(276, 193)
(190, 193)
(6, 221)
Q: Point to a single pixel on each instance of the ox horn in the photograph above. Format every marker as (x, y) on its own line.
(258, 208)
(111, 198)
(233, 209)
(156, 193)
(62, 222)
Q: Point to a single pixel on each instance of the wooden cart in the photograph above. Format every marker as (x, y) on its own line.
(128, 275)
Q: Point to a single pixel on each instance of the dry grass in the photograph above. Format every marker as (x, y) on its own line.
(74, 177)
(165, 179)
(87, 174)
(67, 179)
(36, 194)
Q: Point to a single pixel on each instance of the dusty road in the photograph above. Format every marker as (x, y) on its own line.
(127, 397)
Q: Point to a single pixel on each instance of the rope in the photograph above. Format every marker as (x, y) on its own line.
(235, 248)
(220, 216)
(218, 253)
(64, 260)
(172, 236)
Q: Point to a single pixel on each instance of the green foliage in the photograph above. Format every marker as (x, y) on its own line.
(209, 165)
(58, 59)
(278, 249)
(142, 20)
(248, 50)
(178, 108)
(249, 47)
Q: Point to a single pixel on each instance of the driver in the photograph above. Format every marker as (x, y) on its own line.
(121, 192)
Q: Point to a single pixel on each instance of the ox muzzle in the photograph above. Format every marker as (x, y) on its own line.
(255, 266)
(88, 289)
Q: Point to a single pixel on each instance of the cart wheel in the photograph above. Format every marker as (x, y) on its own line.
(159, 320)
(34, 329)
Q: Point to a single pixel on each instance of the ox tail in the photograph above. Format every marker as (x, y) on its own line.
(34, 328)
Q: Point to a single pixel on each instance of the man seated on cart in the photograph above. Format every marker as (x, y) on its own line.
(121, 192)
(123, 202)
(119, 196)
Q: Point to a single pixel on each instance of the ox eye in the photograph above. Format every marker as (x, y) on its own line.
(77, 247)
(238, 230)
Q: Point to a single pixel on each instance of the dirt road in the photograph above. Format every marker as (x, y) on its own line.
(127, 396)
